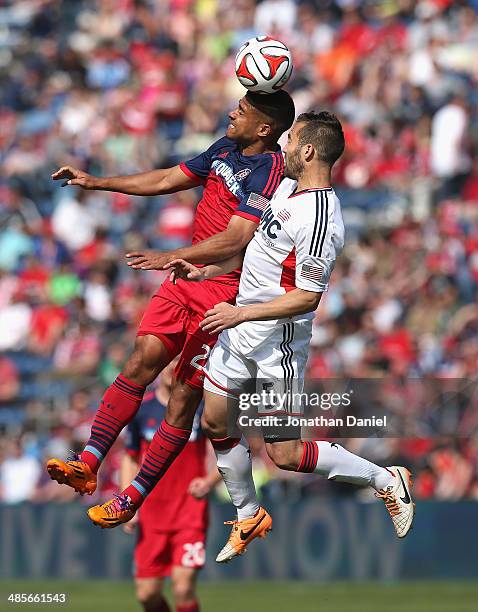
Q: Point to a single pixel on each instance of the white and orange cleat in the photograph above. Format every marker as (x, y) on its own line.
(243, 532)
(398, 500)
(74, 473)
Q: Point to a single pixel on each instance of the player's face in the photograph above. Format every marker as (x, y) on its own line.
(293, 164)
(245, 122)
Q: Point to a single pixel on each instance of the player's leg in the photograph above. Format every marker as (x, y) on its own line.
(149, 593)
(120, 403)
(153, 559)
(189, 556)
(183, 583)
(122, 399)
(187, 390)
(227, 368)
(175, 429)
(234, 463)
(186, 394)
(158, 342)
(168, 441)
(330, 459)
(392, 484)
(233, 454)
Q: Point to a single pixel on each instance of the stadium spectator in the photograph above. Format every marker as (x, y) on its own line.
(122, 87)
(449, 146)
(73, 222)
(78, 352)
(17, 465)
(15, 320)
(9, 379)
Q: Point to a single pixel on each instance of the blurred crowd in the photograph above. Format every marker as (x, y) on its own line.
(122, 86)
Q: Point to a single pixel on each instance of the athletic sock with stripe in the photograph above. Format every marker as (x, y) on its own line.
(119, 405)
(167, 443)
(235, 466)
(336, 463)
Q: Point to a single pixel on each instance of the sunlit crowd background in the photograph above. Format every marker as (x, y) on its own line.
(123, 86)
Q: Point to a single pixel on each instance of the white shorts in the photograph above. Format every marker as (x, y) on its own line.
(270, 356)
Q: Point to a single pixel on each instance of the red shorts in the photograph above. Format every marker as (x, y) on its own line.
(174, 314)
(157, 552)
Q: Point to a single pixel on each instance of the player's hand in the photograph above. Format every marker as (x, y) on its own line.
(222, 316)
(185, 270)
(199, 487)
(148, 260)
(130, 526)
(73, 176)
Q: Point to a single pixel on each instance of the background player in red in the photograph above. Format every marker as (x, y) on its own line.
(172, 524)
(240, 173)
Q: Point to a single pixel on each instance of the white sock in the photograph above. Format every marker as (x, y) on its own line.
(235, 466)
(337, 463)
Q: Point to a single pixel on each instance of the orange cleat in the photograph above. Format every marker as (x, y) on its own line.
(74, 473)
(113, 513)
(243, 532)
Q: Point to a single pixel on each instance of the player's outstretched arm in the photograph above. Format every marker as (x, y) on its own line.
(223, 246)
(232, 241)
(155, 182)
(293, 303)
(188, 271)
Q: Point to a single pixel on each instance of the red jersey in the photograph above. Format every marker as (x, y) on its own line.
(234, 184)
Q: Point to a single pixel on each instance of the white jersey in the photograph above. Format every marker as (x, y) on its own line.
(295, 246)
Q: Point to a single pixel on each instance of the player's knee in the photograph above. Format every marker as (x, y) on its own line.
(133, 367)
(182, 405)
(207, 425)
(148, 595)
(281, 456)
(210, 428)
(146, 361)
(183, 591)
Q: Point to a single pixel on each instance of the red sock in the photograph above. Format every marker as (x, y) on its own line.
(310, 455)
(163, 606)
(190, 607)
(119, 405)
(167, 443)
(222, 444)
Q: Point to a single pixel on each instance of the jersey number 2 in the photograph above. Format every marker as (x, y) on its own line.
(201, 357)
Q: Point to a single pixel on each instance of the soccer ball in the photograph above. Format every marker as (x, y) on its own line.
(263, 64)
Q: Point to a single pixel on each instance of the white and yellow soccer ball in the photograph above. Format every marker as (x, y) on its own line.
(263, 64)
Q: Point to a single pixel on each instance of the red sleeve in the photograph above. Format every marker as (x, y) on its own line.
(190, 173)
(199, 167)
(251, 216)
